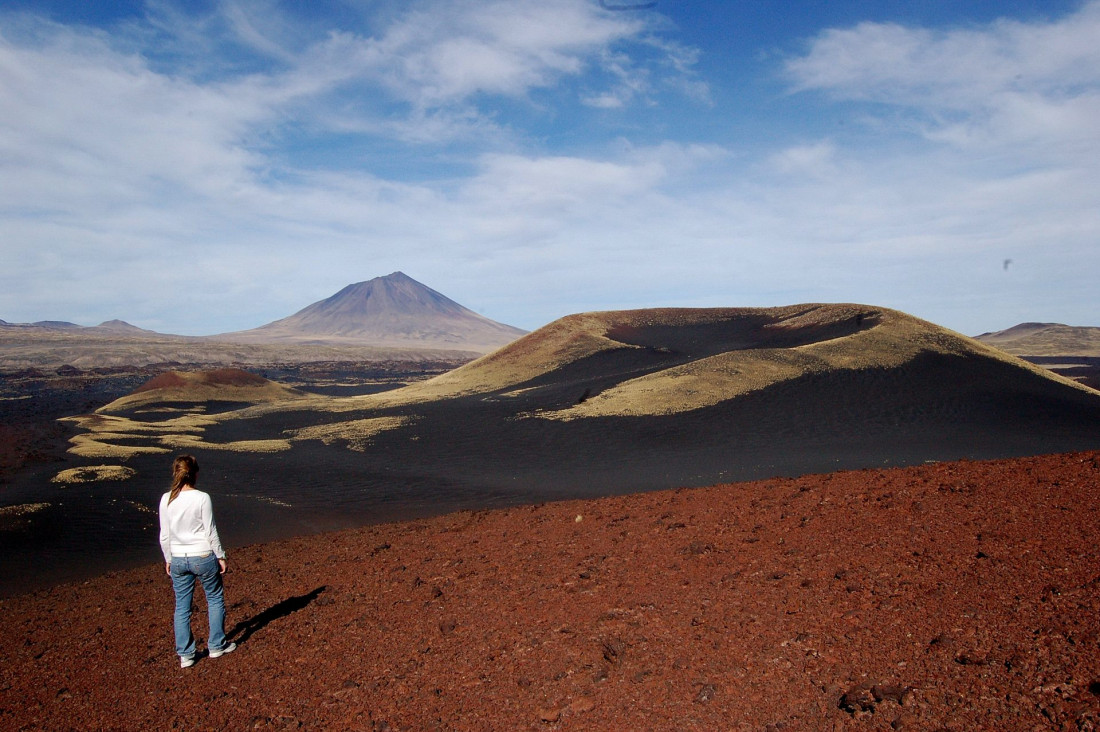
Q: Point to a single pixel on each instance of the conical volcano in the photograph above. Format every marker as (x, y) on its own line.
(393, 311)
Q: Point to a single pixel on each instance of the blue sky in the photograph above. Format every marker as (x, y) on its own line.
(203, 167)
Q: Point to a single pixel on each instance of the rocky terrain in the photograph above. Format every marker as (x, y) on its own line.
(946, 596)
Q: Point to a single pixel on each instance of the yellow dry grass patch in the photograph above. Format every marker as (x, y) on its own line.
(109, 436)
(181, 433)
(357, 433)
(22, 509)
(91, 447)
(94, 474)
(196, 392)
(105, 430)
(101, 424)
(701, 383)
(189, 442)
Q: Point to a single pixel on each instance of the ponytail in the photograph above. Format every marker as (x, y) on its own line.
(185, 471)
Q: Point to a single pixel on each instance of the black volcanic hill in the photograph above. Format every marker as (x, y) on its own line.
(391, 311)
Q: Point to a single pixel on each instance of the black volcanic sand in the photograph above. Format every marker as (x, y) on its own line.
(473, 453)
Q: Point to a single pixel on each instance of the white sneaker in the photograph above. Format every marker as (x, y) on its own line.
(229, 648)
(187, 661)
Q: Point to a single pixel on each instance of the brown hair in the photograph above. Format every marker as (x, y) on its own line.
(185, 471)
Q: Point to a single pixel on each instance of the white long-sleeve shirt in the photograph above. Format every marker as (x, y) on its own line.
(187, 525)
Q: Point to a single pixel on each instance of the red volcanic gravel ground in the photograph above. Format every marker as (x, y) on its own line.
(952, 596)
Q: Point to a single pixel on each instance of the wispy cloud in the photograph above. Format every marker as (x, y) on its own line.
(1004, 84)
(445, 54)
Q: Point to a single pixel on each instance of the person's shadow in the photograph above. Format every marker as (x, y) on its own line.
(243, 630)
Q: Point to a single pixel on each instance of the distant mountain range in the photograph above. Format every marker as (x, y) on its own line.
(110, 326)
(1046, 339)
(1071, 351)
(392, 318)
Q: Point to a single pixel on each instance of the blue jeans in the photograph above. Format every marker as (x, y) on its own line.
(185, 570)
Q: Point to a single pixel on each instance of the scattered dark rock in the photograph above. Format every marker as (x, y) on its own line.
(549, 716)
(858, 699)
(613, 650)
(942, 641)
(889, 692)
(865, 696)
(697, 548)
(970, 659)
(706, 693)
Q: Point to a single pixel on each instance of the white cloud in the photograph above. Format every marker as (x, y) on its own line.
(83, 119)
(442, 54)
(1005, 83)
(561, 182)
(816, 160)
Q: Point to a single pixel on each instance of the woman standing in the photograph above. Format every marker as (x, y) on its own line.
(192, 550)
